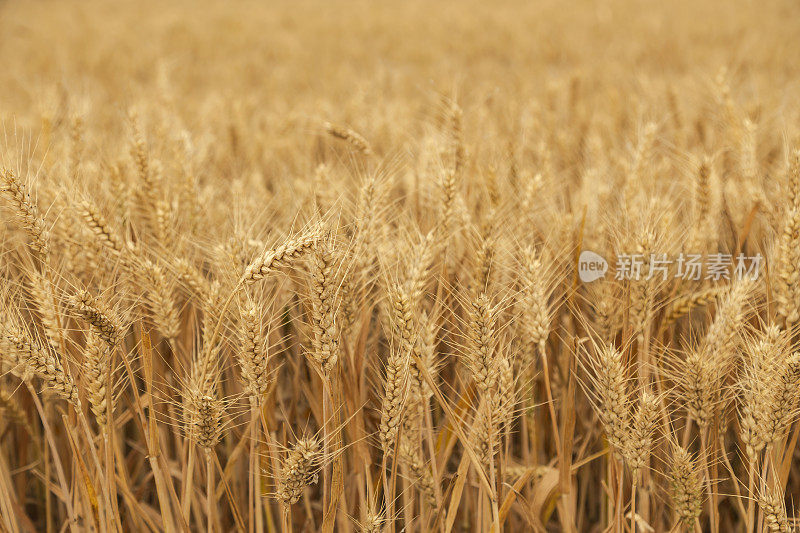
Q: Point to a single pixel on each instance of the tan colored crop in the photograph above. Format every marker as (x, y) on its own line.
(299, 470)
(101, 317)
(282, 267)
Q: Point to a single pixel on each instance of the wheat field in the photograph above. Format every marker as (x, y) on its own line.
(399, 266)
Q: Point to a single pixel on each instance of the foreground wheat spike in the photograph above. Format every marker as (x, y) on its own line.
(253, 357)
(160, 304)
(33, 223)
(95, 377)
(209, 419)
(700, 380)
(284, 255)
(769, 391)
(20, 349)
(425, 350)
(481, 342)
(204, 371)
(534, 302)
(299, 470)
(640, 437)
(395, 387)
(203, 412)
(494, 413)
(612, 396)
(325, 341)
(43, 295)
(12, 341)
(721, 337)
(401, 318)
(785, 398)
(787, 285)
(771, 502)
(485, 430)
(417, 274)
(101, 317)
(100, 227)
(507, 391)
(642, 290)
(686, 486)
(358, 142)
(405, 336)
(487, 425)
(759, 383)
(192, 279)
